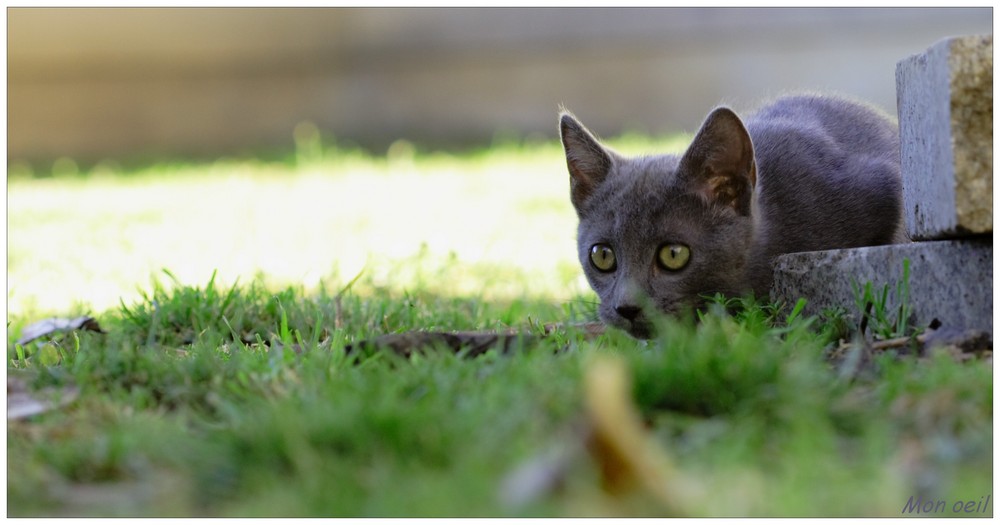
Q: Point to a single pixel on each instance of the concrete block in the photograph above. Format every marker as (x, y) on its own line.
(944, 97)
(951, 281)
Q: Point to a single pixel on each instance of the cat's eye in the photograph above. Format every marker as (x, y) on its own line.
(603, 257)
(673, 257)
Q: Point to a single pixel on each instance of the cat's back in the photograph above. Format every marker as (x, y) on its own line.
(856, 127)
(828, 175)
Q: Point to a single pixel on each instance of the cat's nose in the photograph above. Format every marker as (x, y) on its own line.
(628, 311)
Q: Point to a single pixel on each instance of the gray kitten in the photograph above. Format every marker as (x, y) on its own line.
(660, 232)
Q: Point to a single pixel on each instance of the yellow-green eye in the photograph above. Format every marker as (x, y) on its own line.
(603, 257)
(674, 256)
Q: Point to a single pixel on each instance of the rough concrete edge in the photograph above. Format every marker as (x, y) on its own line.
(914, 113)
(976, 312)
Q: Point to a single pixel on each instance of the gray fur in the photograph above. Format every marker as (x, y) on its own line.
(803, 173)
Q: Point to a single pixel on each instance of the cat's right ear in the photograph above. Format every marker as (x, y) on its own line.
(589, 163)
(719, 164)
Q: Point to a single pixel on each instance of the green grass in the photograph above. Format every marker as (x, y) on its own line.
(227, 393)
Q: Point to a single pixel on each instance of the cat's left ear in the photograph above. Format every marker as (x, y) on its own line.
(588, 161)
(719, 164)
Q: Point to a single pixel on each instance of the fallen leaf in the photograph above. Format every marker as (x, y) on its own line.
(629, 458)
(22, 402)
(54, 325)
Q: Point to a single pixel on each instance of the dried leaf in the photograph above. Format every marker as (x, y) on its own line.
(54, 325)
(629, 458)
(22, 403)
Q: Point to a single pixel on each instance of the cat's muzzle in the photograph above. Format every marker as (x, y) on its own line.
(631, 319)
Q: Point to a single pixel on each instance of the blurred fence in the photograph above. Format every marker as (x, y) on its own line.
(96, 83)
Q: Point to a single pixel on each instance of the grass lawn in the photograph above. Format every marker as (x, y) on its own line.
(227, 292)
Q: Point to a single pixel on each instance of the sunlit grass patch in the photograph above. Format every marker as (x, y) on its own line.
(83, 242)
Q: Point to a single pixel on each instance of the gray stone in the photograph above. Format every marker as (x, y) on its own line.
(945, 104)
(951, 281)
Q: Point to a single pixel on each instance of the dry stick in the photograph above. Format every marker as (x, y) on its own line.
(475, 343)
(898, 342)
(970, 339)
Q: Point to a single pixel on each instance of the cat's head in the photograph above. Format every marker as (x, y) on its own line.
(657, 233)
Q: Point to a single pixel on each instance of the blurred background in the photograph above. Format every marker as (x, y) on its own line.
(97, 83)
(414, 146)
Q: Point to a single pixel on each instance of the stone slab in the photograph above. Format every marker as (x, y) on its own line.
(944, 97)
(951, 281)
